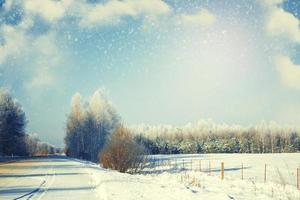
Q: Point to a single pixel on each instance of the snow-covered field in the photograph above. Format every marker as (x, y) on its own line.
(279, 167)
(194, 172)
(64, 178)
(166, 179)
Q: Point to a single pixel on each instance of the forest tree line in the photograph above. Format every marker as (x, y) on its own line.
(14, 141)
(209, 137)
(90, 124)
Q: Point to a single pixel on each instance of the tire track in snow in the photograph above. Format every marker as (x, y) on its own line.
(32, 192)
(22, 180)
(50, 178)
(47, 182)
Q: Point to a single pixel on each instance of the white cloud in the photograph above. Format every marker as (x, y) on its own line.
(18, 45)
(150, 7)
(42, 78)
(15, 37)
(8, 4)
(113, 11)
(109, 13)
(14, 41)
(43, 52)
(288, 71)
(282, 23)
(202, 18)
(49, 10)
(47, 57)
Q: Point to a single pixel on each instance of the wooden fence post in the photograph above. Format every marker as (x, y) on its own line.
(200, 165)
(265, 177)
(222, 170)
(209, 170)
(297, 177)
(242, 171)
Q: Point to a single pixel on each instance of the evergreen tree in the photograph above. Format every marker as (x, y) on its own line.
(12, 126)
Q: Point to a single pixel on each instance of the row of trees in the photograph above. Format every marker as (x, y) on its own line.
(94, 133)
(208, 137)
(35, 147)
(13, 139)
(89, 125)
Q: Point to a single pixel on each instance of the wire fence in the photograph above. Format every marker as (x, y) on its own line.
(255, 173)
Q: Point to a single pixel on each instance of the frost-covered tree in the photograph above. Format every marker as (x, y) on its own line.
(43, 149)
(12, 126)
(209, 137)
(74, 134)
(37, 148)
(32, 144)
(88, 125)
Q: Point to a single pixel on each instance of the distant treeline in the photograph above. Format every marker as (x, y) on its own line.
(13, 139)
(208, 137)
(35, 147)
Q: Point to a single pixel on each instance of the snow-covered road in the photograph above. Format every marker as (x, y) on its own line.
(46, 178)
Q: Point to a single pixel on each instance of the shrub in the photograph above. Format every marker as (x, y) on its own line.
(123, 153)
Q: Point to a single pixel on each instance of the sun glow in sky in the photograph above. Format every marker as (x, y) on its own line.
(172, 61)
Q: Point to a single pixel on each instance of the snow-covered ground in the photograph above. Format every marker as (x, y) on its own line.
(279, 167)
(167, 179)
(73, 179)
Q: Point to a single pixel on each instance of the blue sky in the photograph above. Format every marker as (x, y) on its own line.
(161, 62)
